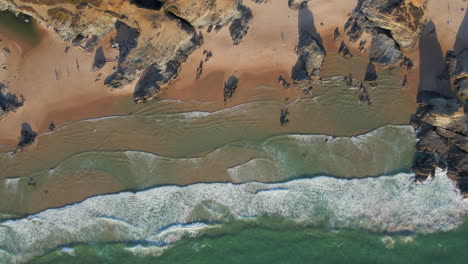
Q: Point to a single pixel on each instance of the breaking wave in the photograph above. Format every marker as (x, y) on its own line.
(162, 215)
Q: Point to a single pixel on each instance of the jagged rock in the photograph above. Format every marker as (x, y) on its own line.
(201, 13)
(424, 167)
(27, 137)
(240, 26)
(311, 56)
(440, 112)
(384, 51)
(297, 4)
(432, 142)
(230, 87)
(344, 51)
(357, 24)
(402, 18)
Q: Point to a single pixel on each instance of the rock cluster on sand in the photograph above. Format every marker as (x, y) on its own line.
(393, 24)
(151, 37)
(8, 101)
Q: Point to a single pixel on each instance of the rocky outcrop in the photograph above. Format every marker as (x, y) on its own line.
(442, 129)
(384, 52)
(402, 18)
(240, 25)
(440, 112)
(306, 71)
(9, 102)
(28, 136)
(230, 86)
(204, 13)
(393, 24)
(154, 38)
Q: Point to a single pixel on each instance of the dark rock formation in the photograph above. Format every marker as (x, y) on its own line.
(240, 26)
(27, 137)
(208, 54)
(230, 87)
(284, 120)
(9, 102)
(443, 139)
(336, 34)
(344, 51)
(384, 51)
(311, 56)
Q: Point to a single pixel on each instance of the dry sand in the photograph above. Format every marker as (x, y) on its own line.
(266, 52)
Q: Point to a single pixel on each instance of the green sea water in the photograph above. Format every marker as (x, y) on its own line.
(21, 26)
(273, 240)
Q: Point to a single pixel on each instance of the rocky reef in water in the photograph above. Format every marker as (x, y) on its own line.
(153, 43)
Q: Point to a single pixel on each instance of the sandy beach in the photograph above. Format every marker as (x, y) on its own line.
(266, 53)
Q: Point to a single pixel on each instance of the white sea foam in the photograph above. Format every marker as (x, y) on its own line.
(387, 203)
(11, 184)
(154, 251)
(68, 251)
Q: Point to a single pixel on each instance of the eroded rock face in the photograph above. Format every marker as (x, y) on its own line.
(443, 139)
(402, 18)
(441, 112)
(203, 13)
(384, 51)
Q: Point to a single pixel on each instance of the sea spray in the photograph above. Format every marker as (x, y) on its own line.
(388, 203)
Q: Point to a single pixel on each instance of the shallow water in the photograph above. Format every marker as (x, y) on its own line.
(17, 28)
(184, 142)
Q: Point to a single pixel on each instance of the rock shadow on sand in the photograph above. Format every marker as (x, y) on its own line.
(432, 64)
